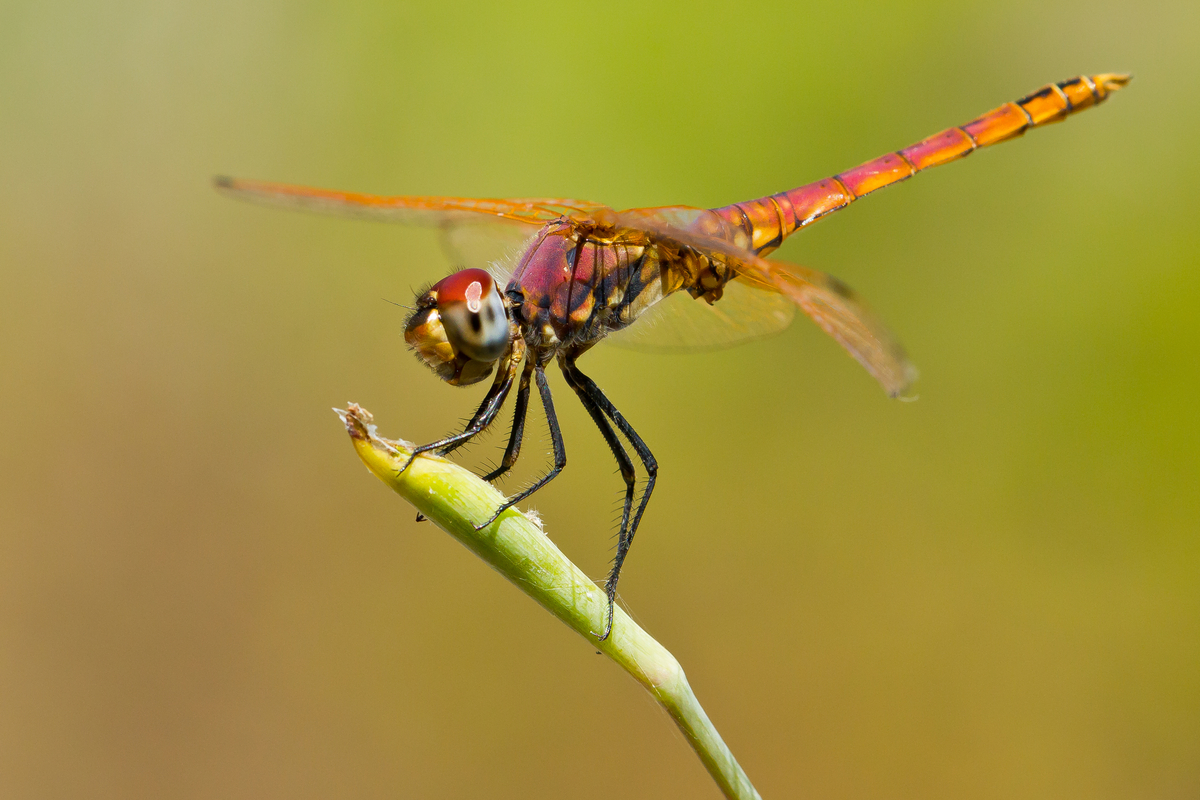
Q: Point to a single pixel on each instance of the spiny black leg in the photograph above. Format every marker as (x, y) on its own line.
(451, 448)
(475, 418)
(479, 419)
(488, 409)
(556, 440)
(571, 372)
(513, 451)
(614, 444)
(648, 461)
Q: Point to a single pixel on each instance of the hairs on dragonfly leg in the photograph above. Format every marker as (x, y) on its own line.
(560, 450)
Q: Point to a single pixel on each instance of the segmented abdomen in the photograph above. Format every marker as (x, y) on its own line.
(767, 221)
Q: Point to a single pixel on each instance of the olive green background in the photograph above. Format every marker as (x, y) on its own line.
(993, 592)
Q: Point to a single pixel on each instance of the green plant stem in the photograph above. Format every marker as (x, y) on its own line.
(456, 499)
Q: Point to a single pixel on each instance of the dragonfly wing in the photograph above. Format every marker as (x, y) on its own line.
(475, 232)
(437, 211)
(681, 324)
(826, 300)
(489, 245)
(836, 308)
(699, 229)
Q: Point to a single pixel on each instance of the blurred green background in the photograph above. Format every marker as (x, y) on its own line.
(991, 593)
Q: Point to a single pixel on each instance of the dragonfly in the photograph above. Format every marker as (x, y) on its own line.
(584, 272)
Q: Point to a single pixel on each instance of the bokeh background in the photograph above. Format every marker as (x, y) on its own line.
(993, 592)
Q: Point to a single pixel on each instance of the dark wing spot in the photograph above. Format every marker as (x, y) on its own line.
(841, 289)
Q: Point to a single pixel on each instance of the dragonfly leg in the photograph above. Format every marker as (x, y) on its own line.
(457, 441)
(556, 440)
(484, 415)
(571, 372)
(624, 542)
(513, 451)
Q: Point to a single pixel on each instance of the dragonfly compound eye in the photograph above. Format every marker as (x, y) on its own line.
(473, 314)
(460, 327)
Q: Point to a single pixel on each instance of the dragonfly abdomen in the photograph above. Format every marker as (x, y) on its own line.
(767, 221)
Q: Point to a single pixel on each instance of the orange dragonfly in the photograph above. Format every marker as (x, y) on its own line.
(585, 271)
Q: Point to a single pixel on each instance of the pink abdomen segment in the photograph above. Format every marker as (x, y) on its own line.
(767, 221)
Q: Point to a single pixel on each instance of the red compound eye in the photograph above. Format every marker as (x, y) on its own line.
(470, 286)
(473, 315)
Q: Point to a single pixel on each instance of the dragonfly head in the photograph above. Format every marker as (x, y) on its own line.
(460, 327)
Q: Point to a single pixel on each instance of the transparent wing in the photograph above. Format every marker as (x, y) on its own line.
(488, 245)
(439, 211)
(837, 309)
(682, 324)
(475, 232)
(826, 300)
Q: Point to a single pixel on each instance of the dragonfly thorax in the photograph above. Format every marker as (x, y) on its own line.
(460, 327)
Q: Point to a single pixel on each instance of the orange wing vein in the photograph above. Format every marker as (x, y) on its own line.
(410, 210)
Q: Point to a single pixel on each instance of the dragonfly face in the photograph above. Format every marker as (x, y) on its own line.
(460, 327)
(589, 271)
